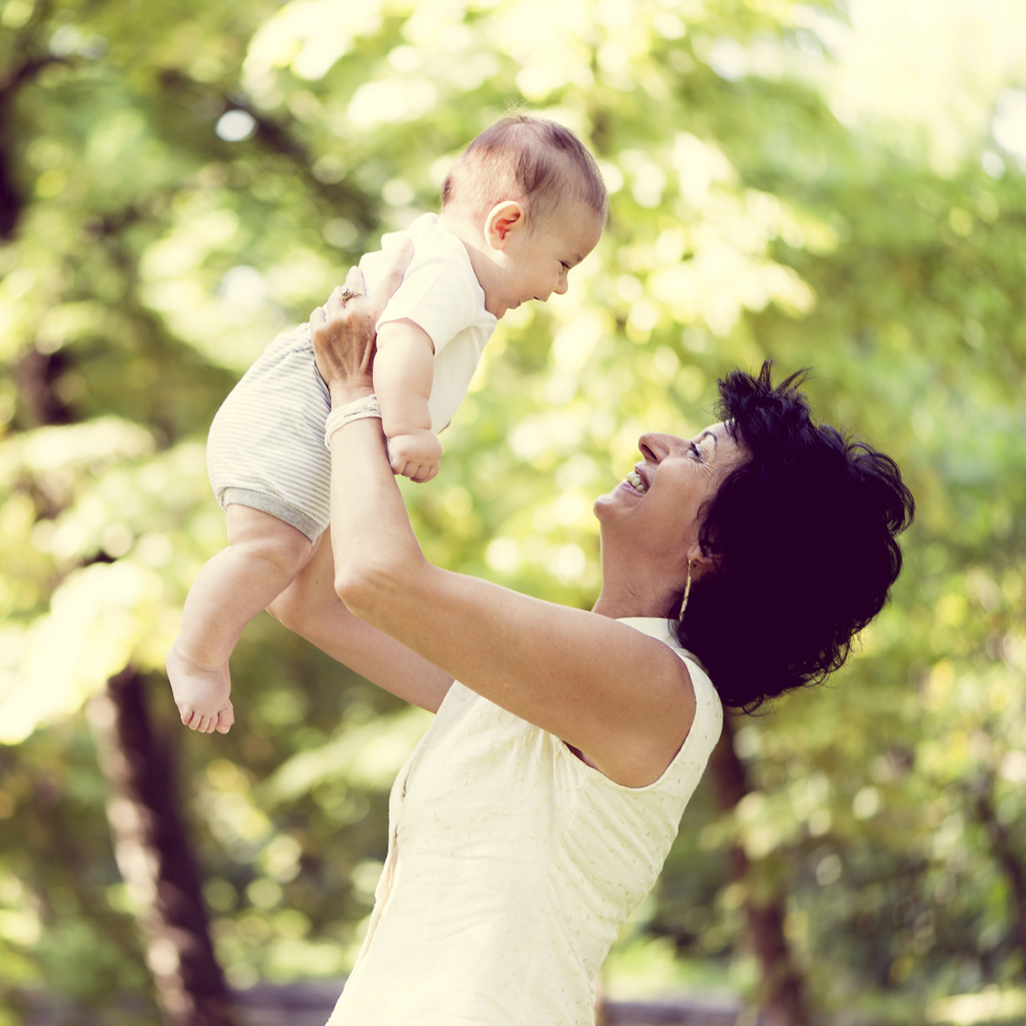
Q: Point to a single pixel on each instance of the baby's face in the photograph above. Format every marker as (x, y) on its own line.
(538, 259)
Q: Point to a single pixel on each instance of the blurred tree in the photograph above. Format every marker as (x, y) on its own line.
(155, 858)
(783, 999)
(176, 183)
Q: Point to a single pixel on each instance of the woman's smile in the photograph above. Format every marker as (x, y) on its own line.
(635, 482)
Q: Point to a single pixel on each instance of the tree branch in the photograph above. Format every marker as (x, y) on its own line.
(276, 138)
(25, 72)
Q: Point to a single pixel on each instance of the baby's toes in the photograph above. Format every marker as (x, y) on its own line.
(225, 719)
(196, 720)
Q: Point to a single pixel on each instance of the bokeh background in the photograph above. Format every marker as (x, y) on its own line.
(836, 185)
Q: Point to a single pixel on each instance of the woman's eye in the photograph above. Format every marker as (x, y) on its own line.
(695, 451)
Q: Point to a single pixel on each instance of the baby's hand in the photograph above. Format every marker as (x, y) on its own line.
(416, 455)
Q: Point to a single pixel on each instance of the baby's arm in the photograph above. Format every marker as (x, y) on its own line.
(403, 372)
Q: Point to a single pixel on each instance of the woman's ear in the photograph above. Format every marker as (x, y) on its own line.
(702, 563)
(504, 220)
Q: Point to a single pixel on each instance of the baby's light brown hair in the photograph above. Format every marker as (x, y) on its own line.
(538, 163)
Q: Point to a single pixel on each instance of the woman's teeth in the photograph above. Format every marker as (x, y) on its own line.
(635, 480)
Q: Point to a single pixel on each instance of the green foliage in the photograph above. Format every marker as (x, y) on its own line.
(184, 180)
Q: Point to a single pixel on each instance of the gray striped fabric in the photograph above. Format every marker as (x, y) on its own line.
(266, 444)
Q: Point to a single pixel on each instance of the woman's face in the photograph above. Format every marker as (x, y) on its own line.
(655, 509)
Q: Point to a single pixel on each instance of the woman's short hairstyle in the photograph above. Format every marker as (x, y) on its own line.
(539, 163)
(805, 531)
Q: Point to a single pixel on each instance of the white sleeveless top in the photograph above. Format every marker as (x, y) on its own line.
(511, 867)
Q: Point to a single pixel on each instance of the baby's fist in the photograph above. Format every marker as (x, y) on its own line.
(415, 456)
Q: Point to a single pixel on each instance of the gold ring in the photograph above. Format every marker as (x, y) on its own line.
(348, 293)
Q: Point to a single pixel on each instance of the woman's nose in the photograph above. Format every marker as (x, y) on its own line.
(654, 446)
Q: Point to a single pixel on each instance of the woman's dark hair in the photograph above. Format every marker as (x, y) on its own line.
(805, 531)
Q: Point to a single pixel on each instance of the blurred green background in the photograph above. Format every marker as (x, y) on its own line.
(833, 185)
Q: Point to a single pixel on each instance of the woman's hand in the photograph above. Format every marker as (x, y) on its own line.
(343, 330)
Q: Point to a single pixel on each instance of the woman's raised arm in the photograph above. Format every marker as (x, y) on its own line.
(622, 698)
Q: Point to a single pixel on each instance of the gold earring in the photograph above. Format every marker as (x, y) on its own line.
(687, 592)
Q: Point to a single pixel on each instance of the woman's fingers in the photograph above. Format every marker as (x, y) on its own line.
(343, 330)
(334, 306)
(355, 282)
(393, 276)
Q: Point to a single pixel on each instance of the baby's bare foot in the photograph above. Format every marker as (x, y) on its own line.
(201, 692)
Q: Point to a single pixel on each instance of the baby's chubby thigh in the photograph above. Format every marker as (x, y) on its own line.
(280, 549)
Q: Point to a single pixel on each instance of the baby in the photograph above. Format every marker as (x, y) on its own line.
(523, 205)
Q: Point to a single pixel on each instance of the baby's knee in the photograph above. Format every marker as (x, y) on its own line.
(262, 537)
(286, 553)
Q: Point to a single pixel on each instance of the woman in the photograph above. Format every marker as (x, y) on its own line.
(539, 807)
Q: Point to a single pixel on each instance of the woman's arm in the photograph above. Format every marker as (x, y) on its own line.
(310, 608)
(622, 698)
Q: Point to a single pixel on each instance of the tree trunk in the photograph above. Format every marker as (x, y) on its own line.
(154, 856)
(1012, 865)
(783, 990)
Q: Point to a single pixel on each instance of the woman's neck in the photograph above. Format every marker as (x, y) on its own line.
(618, 603)
(635, 583)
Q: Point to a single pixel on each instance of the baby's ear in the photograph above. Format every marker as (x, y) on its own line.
(504, 220)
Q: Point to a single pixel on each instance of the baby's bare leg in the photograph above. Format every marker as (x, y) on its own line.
(262, 556)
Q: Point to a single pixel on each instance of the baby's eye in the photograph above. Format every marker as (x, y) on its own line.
(566, 266)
